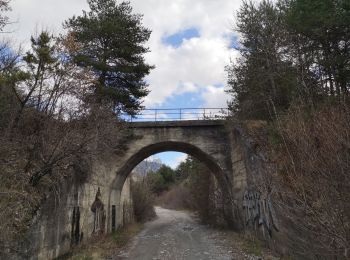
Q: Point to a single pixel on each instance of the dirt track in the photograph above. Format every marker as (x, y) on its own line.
(176, 235)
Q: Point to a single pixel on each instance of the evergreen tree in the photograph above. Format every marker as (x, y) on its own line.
(41, 63)
(263, 80)
(111, 44)
(183, 169)
(290, 50)
(321, 32)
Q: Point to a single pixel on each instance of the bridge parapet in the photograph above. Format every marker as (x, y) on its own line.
(185, 123)
(178, 114)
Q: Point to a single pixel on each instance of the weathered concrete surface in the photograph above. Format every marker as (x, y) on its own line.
(66, 218)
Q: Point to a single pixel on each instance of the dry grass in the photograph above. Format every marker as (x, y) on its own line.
(102, 247)
(248, 245)
(306, 166)
(313, 180)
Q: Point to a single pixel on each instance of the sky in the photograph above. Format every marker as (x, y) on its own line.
(191, 43)
(172, 159)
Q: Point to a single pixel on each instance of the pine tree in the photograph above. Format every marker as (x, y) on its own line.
(40, 62)
(322, 35)
(263, 80)
(111, 44)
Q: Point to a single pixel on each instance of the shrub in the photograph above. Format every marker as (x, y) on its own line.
(178, 197)
(143, 201)
(314, 179)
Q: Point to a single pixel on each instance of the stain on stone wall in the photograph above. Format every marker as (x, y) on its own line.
(76, 236)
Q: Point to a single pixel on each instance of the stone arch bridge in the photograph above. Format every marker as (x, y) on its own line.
(102, 202)
(210, 141)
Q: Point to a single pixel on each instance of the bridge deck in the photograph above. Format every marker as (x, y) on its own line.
(188, 123)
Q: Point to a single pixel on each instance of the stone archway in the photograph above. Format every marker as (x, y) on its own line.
(152, 149)
(208, 141)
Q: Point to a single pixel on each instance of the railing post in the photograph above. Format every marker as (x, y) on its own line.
(180, 114)
(155, 115)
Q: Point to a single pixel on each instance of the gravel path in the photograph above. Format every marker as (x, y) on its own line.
(175, 235)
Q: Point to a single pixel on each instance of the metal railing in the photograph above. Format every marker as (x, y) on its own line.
(178, 114)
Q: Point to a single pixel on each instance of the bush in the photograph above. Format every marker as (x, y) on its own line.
(178, 197)
(314, 179)
(143, 201)
(161, 180)
(196, 189)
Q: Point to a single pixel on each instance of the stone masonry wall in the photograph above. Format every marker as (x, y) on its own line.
(253, 193)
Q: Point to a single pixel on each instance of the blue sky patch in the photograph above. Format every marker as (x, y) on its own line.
(176, 39)
(234, 42)
(170, 158)
(184, 100)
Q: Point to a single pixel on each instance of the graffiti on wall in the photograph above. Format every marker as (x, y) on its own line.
(259, 212)
(99, 214)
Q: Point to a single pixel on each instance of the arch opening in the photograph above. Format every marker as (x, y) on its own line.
(160, 147)
(166, 146)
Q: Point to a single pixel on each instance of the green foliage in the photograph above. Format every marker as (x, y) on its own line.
(41, 63)
(323, 34)
(161, 180)
(184, 169)
(199, 182)
(196, 188)
(110, 41)
(42, 52)
(167, 173)
(290, 50)
(262, 79)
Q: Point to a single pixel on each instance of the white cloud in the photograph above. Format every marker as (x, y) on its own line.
(31, 16)
(195, 66)
(199, 61)
(177, 160)
(215, 97)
